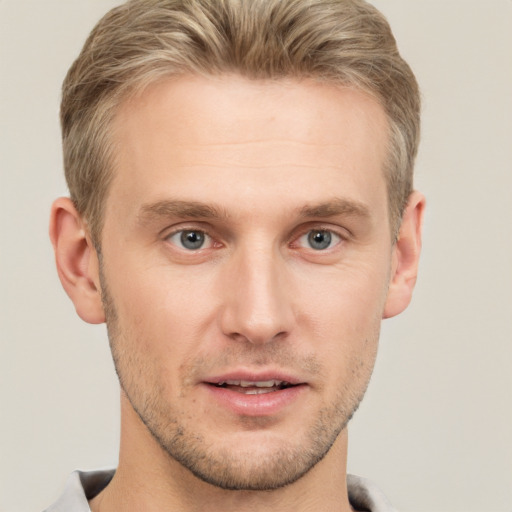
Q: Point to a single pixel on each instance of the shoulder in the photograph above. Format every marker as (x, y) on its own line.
(365, 495)
(80, 487)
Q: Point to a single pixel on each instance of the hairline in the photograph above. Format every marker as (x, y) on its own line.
(139, 86)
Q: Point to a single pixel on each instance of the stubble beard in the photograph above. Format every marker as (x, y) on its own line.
(225, 468)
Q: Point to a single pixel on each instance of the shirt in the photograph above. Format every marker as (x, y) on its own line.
(82, 486)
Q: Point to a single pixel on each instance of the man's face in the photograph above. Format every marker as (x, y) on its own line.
(246, 255)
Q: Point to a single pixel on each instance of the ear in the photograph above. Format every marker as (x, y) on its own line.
(406, 254)
(76, 260)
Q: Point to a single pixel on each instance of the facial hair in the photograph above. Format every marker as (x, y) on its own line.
(240, 469)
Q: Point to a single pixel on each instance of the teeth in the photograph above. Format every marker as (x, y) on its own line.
(259, 391)
(253, 384)
(260, 384)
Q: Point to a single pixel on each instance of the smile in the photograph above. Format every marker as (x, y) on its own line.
(254, 387)
(255, 395)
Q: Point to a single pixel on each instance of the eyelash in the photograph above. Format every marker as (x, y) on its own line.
(332, 236)
(339, 238)
(183, 231)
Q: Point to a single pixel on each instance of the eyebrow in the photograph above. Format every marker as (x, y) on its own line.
(335, 207)
(196, 210)
(183, 209)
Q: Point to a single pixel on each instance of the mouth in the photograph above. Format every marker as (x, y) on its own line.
(247, 393)
(248, 387)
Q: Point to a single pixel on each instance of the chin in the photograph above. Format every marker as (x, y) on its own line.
(255, 461)
(251, 470)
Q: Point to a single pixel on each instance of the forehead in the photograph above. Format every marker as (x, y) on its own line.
(239, 108)
(184, 136)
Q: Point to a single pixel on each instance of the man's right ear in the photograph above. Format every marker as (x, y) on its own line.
(77, 261)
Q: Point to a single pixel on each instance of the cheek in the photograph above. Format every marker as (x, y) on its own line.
(348, 298)
(343, 316)
(161, 309)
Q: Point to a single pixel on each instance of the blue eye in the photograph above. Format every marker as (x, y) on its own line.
(319, 239)
(190, 239)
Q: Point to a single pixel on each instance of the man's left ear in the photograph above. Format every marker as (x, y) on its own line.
(405, 258)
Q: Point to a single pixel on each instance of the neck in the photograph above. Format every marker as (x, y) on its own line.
(148, 479)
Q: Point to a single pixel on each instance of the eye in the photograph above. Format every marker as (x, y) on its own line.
(190, 239)
(319, 239)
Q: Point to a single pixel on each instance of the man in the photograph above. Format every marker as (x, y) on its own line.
(242, 217)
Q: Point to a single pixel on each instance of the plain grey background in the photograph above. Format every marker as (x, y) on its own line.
(435, 428)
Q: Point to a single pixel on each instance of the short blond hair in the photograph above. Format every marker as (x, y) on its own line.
(346, 42)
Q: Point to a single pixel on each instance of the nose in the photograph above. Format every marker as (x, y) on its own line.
(257, 297)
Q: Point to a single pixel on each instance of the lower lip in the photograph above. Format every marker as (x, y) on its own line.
(264, 404)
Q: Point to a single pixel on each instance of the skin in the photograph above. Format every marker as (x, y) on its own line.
(264, 171)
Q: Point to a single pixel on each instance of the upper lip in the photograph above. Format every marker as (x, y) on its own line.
(245, 377)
